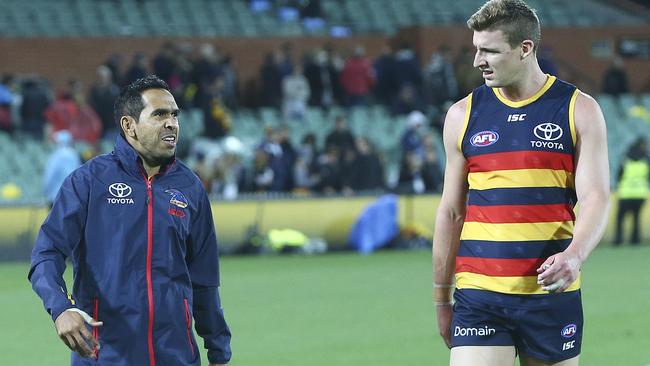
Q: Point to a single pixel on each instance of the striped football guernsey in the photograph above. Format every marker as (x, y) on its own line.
(521, 187)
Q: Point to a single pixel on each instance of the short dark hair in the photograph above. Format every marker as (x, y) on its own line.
(129, 102)
(514, 18)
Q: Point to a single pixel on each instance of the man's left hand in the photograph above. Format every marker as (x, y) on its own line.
(558, 272)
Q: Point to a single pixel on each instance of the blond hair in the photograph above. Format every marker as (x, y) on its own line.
(514, 18)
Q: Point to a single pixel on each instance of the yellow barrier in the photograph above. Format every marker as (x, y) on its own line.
(329, 218)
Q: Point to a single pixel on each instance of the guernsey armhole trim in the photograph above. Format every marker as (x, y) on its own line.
(468, 111)
(572, 121)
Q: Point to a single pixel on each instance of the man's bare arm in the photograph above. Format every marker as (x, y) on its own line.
(450, 217)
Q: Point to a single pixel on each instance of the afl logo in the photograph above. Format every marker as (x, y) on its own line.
(569, 331)
(119, 190)
(548, 131)
(484, 138)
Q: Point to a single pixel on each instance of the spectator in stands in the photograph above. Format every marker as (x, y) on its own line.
(408, 75)
(230, 175)
(102, 98)
(204, 170)
(440, 78)
(411, 141)
(163, 63)
(305, 170)
(341, 137)
(71, 112)
(329, 171)
(283, 163)
(321, 77)
(357, 78)
(61, 162)
(286, 59)
(408, 100)
(431, 167)
(36, 99)
(114, 62)
(368, 168)
(183, 89)
(615, 78)
(295, 94)
(230, 83)
(206, 69)
(271, 80)
(335, 64)
(633, 180)
(216, 117)
(138, 68)
(407, 68)
(386, 84)
(280, 157)
(262, 172)
(411, 174)
(7, 99)
(347, 170)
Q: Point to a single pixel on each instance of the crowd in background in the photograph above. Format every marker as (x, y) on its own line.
(206, 79)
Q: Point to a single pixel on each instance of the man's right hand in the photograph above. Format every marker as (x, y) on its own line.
(71, 328)
(445, 315)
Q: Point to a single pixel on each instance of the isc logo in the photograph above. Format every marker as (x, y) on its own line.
(568, 345)
(484, 138)
(516, 117)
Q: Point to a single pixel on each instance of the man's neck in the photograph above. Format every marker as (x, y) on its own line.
(150, 168)
(527, 87)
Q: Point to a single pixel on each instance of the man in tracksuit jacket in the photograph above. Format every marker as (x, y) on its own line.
(137, 226)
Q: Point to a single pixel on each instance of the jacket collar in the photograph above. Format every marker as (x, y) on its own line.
(131, 160)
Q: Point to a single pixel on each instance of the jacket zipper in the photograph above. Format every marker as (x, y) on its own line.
(188, 322)
(152, 358)
(96, 329)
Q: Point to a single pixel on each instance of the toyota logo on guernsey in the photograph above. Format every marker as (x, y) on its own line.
(548, 132)
(120, 193)
(484, 138)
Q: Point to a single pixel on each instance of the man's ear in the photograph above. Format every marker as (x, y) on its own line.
(128, 126)
(527, 48)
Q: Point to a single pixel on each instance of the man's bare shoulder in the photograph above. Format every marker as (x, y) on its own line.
(455, 118)
(588, 114)
(456, 113)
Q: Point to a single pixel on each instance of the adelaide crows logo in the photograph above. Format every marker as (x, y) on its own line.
(178, 199)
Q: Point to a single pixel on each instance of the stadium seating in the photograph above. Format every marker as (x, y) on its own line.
(96, 18)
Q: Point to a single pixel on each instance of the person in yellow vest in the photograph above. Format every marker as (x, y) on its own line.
(633, 180)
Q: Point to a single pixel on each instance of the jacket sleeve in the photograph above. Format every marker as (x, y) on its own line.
(58, 236)
(203, 264)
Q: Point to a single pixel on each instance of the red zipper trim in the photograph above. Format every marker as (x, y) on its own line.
(96, 329)
(152, 357)
(188, 321)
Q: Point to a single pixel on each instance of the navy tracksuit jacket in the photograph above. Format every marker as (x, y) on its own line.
(144, 254)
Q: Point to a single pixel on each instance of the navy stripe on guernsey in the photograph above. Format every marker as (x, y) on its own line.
(516, 301)
(522, 196)
(511, 249)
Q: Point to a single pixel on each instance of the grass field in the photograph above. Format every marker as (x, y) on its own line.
(346, 309)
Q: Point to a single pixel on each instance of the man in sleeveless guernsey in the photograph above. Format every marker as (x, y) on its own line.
(522, 151)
